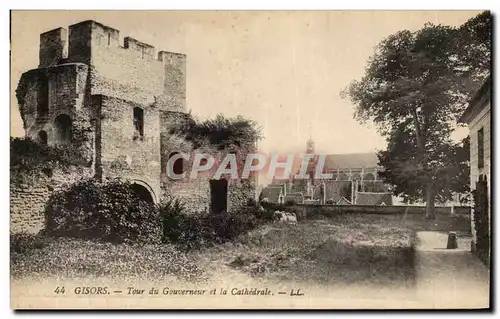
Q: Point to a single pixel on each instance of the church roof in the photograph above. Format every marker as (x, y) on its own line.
(375, 199)
(272, 193)
(336, 189)
(356, 160)
(343, 201)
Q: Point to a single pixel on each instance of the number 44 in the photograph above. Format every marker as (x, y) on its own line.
(59, 290)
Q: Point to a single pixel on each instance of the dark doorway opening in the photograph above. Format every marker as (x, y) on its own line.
(63, 129)
(142, 193)
(218, 195)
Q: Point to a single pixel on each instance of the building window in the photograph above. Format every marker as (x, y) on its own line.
(63, 129)
(138, 123)
(480, 148)
(42, 137)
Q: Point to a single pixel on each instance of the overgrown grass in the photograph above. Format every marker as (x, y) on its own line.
(367, 249)
(42, 256)
(340, 249)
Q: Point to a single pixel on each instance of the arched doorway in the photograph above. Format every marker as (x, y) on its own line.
(143, 192)
(63, 129)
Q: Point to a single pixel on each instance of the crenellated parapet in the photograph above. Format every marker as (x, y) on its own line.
(131, 70)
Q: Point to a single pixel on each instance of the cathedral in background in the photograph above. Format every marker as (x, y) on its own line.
(354, 182)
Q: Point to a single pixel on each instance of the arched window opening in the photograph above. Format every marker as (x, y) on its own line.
(63, 129)
(178, 166)
(42, 137)
(138, 123)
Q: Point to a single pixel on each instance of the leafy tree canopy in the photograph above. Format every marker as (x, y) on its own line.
(416, 85)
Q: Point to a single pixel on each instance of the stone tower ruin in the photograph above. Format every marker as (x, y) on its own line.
(106, 99)
(115, 104)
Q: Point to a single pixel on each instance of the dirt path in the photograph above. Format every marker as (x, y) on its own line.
(449, 278)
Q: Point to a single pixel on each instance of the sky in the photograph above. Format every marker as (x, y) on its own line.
(284, 70)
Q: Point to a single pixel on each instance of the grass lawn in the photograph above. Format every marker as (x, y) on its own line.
(77, 258)
(345, 248)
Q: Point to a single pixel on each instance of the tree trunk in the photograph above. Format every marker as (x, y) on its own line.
(429, 202)
(429, 190)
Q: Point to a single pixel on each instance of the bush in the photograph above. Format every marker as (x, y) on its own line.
(187, 231)
(231, 225)
(197, 230)
(109, 211)
(251, 202)
(23, 242)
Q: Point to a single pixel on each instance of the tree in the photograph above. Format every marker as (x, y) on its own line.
(415, 87)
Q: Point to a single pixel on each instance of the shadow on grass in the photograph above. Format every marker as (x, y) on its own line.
(365, 264)
(320, 252)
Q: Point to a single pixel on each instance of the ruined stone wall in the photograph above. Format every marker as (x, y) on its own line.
(62, 88)
(27, 204)
(28, 199)
(53, 47)
(90, 76)
(196, 192)
(123, 153)
(132, 71)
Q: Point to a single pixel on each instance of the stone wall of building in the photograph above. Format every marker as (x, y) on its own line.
(196, 192)
(46, 95)
(28, 199)
(132, 71)
(27, 205)
(87, 75)
(482, 120)
(123, 152)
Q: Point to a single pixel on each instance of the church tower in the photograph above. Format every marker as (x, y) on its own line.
(310, 146)
(311, 168)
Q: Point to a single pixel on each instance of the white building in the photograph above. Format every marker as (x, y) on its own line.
(478, 117)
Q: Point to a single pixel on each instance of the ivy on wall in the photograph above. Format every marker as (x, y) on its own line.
(220, 132)
(31, 160)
